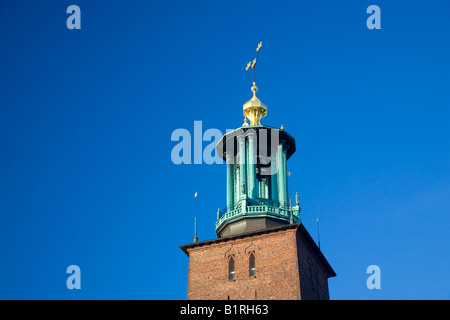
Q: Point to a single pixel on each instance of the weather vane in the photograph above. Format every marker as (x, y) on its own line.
(253, 64)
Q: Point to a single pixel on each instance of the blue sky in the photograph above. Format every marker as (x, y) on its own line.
(86, 118)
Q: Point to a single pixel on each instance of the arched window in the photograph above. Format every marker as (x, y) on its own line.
(251, 266)
(231, 269)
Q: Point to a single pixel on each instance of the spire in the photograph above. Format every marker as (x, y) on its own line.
(254, 109)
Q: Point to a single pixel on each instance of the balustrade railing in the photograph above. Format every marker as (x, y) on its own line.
(257, 206)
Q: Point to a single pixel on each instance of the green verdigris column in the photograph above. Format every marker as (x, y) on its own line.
(251, 175)
(230, 181)
(282, 182)
(274, 165)
(237, 189)
(242, 171)
(274, 186)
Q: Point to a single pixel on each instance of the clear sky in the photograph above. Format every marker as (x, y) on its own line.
(86, 117)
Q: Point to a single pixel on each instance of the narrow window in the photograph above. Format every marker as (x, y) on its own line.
(231, 269)
(251, 266)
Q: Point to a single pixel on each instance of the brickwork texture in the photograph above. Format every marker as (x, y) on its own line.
(288, 265)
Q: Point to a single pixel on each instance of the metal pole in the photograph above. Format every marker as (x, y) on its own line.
(318, 234)
(195, 218)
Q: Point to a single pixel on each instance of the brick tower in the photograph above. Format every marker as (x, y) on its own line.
(262, 250)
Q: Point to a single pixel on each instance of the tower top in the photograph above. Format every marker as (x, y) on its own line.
(257, 183)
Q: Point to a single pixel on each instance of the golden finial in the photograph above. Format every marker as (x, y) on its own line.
(245, 122)
(282, 128)
(254, 109)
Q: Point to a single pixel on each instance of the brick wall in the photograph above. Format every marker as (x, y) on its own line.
(313, 275)
(286, 268)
